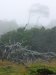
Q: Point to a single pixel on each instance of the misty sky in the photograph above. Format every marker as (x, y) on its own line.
(19, 9)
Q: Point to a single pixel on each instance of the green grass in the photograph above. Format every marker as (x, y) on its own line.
(42, 65)
(9, 68)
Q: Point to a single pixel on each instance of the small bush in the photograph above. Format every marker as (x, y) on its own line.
(44, 71)
(41, 71)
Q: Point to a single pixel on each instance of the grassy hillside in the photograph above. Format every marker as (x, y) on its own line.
(9, 68)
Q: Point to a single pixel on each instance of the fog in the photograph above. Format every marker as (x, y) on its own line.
(19, 11)
(28, 37)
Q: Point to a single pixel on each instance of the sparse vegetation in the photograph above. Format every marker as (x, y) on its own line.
(9, 68)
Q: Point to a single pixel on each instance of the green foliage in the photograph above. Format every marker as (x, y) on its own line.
(41, 71)
(39, 39)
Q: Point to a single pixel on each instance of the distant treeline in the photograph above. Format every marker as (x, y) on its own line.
(39, 39)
